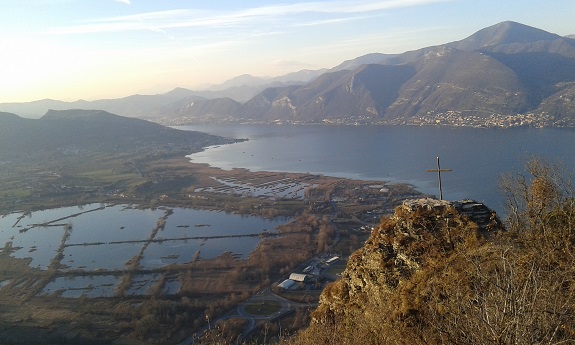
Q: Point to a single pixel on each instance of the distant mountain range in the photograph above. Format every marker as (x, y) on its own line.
(239, 89)
(508, 74)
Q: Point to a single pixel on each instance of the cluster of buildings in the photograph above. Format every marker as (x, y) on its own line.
(448, 118)
(457, 119)
(309, 278)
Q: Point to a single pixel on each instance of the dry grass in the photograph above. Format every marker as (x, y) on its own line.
(451, 286)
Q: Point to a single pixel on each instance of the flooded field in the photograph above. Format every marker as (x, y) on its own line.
(91, 247)
(285, 188)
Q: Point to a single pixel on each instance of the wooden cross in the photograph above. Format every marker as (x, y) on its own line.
(438, 171)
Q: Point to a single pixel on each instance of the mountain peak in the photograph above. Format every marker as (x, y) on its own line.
(241, 80)
(504, 33)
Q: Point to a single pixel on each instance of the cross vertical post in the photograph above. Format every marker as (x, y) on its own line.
(438, 171)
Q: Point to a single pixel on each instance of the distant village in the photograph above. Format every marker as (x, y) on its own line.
(457, 119)
(448, 118)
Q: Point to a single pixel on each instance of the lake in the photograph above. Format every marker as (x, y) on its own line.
(478, 157)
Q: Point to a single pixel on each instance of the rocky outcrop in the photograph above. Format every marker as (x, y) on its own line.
(420, 233)
(485, 218)
(439, 272)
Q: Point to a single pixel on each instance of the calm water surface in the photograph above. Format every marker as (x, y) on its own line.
(478, 157)
(93, 241)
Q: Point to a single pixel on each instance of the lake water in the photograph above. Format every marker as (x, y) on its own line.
(478, 157)
(107, 237)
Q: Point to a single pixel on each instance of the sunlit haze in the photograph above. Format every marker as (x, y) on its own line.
(79, 49)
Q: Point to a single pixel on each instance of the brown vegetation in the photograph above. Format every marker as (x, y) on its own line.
(429, 276)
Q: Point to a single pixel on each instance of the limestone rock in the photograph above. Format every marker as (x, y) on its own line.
(421, 231)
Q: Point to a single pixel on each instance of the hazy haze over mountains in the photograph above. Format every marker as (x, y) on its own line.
(504, 70)
(239, 89)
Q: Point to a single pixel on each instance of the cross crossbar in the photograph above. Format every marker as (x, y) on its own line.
(439, 171)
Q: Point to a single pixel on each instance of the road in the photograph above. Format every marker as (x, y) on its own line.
(239, 311)
(266, 294)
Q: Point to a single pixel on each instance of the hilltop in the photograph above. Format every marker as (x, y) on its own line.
(73, 131)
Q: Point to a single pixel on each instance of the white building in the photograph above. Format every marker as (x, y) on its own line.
(298, 277)
(288, 284)
(332, 260)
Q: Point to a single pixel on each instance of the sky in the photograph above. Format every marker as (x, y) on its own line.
(93, 49)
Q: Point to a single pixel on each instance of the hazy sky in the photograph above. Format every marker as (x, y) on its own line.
(91, 49)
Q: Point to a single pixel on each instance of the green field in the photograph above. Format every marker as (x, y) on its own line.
(15, 193)
(108, 176)
(263, 308)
